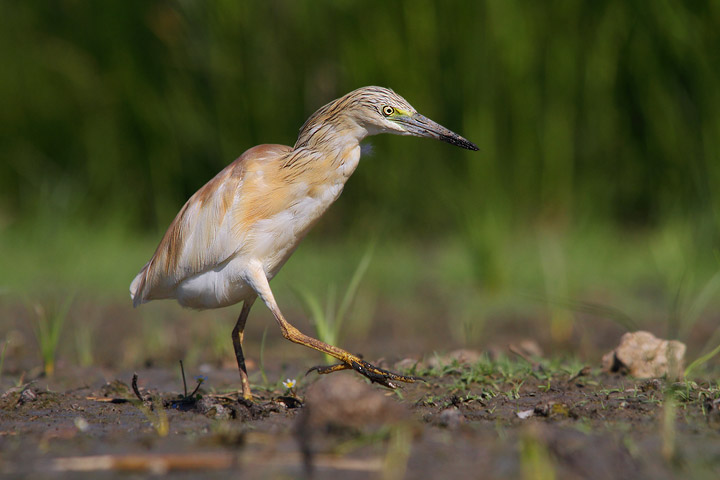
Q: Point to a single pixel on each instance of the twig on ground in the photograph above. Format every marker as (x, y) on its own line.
(108, 399)
(583, 372)
(182, 371)
(156, 463)
(200, 381)
(536, 366)
(135, 388)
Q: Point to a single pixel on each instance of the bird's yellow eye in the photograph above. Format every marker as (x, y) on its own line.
(387, 111)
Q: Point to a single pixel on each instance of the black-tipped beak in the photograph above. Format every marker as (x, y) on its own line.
(422, 126)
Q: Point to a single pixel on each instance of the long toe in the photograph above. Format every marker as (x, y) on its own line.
(382, 376)
(375, 374)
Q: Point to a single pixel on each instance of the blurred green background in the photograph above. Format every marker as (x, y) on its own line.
(594, 199)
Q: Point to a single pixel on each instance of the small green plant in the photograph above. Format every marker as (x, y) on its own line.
(696, 306)
(290, 385)
(47, 327)
(546, 387)
(514, 392)
(199, 379)
(328, 321)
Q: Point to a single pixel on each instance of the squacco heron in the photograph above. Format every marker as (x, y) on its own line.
(235, 233)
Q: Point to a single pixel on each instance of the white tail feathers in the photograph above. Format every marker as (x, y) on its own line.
(137, 287)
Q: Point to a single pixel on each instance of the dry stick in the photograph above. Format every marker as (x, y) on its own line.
(583, 371)
(108, 399)
(182, 370)
(200, 382)
(135, 387)
(222, 396)
(189, 461)
(521, 354)
(157, 463)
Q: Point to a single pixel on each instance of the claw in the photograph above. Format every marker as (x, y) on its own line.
(370, 371)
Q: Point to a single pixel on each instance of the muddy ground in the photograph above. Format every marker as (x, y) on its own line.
(473, 417)
(510, 407)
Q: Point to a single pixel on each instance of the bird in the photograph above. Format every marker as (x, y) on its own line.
(236, 232)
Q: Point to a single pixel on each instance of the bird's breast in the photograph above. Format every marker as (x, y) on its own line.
(274, 239)
(305, 197)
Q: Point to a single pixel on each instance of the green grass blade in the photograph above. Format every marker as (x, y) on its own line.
(354, 284)
(701, 302)
(702, 360)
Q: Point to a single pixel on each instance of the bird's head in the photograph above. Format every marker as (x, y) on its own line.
(380, 110)
(376, 110)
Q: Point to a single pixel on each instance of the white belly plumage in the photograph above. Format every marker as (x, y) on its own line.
(270, 241)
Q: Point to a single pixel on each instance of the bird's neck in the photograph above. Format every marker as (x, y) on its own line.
(335, 145)
(327, 152)
(325, 136)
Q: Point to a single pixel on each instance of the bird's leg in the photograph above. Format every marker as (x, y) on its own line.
(237, 337)
(258, 280)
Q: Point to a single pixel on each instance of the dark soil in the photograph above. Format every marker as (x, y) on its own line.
(488, 419)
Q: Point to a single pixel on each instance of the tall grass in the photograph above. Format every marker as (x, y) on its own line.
(328, 321)
(700, 361)
(614, 117)
(48, 326)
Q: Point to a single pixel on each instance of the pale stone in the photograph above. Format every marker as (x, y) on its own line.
(643, 355)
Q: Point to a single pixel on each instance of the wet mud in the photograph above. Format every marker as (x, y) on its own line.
(483, 419)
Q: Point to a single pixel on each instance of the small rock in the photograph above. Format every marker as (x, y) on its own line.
(26, 396)
(344, 401)
(712, 413)
(211, 408)
(342, 406)
(552, 410)
(288, 401)
(643, 355)
(450, 418)
(116, 389)
(652, 385)
(81, 424)
(525, 414)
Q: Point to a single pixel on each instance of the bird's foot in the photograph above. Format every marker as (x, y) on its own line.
(375, 374)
